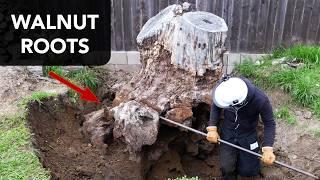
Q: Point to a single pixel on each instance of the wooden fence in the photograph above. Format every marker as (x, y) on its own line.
(255, 26)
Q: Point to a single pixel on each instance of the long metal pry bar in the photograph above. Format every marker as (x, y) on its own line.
(241, 148)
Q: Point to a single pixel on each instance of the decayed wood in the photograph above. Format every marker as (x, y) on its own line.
(181, 62)
(195, 39)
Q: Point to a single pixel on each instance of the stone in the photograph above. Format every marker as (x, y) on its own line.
(298, 113)
(292, 156)
(278, 61)
(35, 70)
(258, 62)
(136, 123)
(179, 114)
(307, 114)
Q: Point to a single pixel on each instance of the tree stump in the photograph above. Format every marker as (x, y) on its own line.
(181, 55)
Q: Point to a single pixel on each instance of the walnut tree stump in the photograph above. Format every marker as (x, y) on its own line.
(181, 55)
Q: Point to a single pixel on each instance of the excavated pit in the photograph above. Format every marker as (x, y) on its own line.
(68, 152)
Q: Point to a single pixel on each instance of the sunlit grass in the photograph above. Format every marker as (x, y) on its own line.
(17, 159)
(302, 83)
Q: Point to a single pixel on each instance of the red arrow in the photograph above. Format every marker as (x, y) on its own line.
(86, 93)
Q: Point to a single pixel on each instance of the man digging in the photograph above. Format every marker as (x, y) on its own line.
(242, 103)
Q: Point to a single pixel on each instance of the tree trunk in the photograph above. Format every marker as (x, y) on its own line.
(181, 54)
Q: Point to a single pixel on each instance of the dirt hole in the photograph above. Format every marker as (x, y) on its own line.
(63, 148)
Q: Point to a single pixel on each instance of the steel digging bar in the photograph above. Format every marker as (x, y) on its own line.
(241, 148)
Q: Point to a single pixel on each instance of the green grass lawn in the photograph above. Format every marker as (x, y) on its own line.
(17, 156)
(84, 77)
(302, 83)
(283, 113)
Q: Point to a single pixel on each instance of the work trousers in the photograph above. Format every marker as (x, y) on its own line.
(236, 162)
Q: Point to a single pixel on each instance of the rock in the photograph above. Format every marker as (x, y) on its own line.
(97, 128)
(136, 123)
(35, 70)
(292, 156)
(307, 114)
(179, 114)
(284, 66)
(278, 61)
(298, 113)
(295, 65)
(258, 62)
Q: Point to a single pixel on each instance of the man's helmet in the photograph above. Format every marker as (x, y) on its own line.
(230, 92)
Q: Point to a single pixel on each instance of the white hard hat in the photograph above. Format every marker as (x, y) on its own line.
(230, 92)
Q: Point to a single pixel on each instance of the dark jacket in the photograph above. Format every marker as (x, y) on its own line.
(248, 115)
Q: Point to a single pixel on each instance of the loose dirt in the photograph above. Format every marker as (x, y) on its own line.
(17, 83)
(63, 149)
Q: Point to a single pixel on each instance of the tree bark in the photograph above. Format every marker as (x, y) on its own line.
(181, 55)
